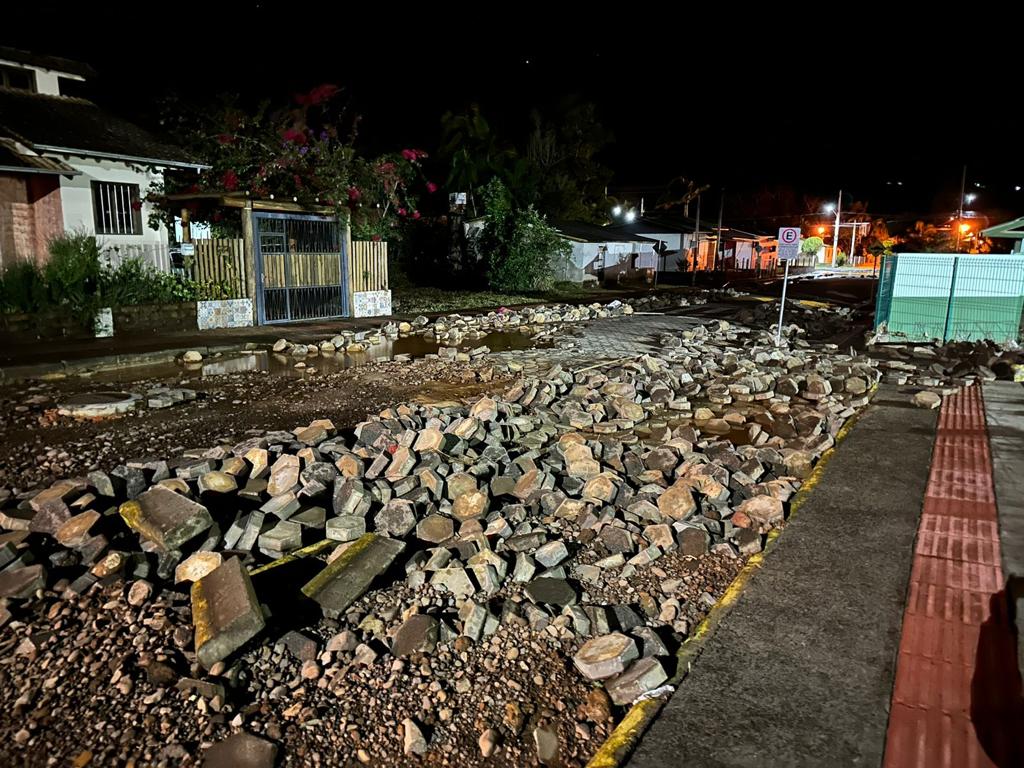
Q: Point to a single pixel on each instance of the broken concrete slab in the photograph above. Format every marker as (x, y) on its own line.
(349, 575)
(225, 612)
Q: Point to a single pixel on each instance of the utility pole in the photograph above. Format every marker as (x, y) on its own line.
(696, 245)
(835, 230)
(853, 241)
(960, 211)
(719, 243)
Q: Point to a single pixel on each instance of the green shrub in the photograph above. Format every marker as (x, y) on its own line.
(23, 289)
(77, 281)
(517, 243)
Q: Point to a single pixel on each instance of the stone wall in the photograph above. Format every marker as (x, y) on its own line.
(42, 325)
(155, 318)
(226, 313)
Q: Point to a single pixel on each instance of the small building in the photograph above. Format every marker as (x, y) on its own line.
(748, 251)
(68, 165)
(606, 255)
(676, 240)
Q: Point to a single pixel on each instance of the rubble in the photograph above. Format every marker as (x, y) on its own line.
(574, 524)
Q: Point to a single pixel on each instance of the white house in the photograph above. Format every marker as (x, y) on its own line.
(66, 164)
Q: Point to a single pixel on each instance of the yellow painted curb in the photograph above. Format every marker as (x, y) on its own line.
(307, 551)
(623, 740)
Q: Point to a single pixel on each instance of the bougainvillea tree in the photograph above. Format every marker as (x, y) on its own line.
(305, 152)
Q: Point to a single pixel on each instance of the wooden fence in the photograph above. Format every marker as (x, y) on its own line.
(369, 265)
(221, 260)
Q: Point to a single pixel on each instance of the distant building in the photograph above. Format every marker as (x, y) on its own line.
(66, 164)
(606, 255)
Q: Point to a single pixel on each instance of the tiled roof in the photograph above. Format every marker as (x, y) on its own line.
(62, 123)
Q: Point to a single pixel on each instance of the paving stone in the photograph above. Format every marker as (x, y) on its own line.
(217, 482)
(197, 565)
(166, 518)
(417, 634)
(435, 529)
(284, 475)
(241, 750)
(22, 583)
(642, 676)
(605, 656)
(678, 502)
(551, 591)
(470, 506)
(551, 554)
(455, 580)
(346, 528)
(397, 518)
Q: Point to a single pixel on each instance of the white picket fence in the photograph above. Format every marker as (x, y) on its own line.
(155, 255)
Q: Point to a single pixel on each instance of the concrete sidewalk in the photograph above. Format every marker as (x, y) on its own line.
(801, 671)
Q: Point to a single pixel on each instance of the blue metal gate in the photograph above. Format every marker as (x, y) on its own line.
(301, 267)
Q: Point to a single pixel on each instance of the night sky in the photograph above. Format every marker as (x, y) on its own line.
(889, 111)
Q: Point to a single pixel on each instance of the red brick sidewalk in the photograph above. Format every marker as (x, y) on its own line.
(957, 696)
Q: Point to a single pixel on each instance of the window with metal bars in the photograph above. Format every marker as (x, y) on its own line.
(117, 208)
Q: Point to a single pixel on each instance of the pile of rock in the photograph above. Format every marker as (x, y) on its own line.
(812, 322)
(452, 331)
(571, 482)
(945, 367)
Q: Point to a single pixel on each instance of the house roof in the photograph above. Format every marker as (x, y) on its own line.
(590, 233)
(1013, 230)
(55, 63)
(74, 126)
(17, 158)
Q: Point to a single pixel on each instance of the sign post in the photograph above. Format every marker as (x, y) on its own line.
(789, 249)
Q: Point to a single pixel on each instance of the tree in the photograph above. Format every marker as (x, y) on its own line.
(811, 245)
(472, 151)
(517, 244)
(554, 167)
(562, 154)
(304, 151)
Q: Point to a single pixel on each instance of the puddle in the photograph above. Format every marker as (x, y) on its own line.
(95, 405)
(324, 362)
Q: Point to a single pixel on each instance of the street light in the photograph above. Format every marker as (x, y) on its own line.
(837, 207)
(630, 217)
(965, 228)
(617, 210)
(821, 230)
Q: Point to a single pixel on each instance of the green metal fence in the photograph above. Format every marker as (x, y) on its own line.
(925, 296)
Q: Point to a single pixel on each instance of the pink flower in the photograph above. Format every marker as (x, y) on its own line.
(294, 135)
(321, 93)
(431, 187)
(409, 154)
(229, 180)
(354, 194)
(415, 214)
(402, 211)
(376, 238)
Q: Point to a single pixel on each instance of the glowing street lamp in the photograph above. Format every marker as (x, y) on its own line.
(821, 230)
(617, 210)
(630, 216)
(965, 228)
